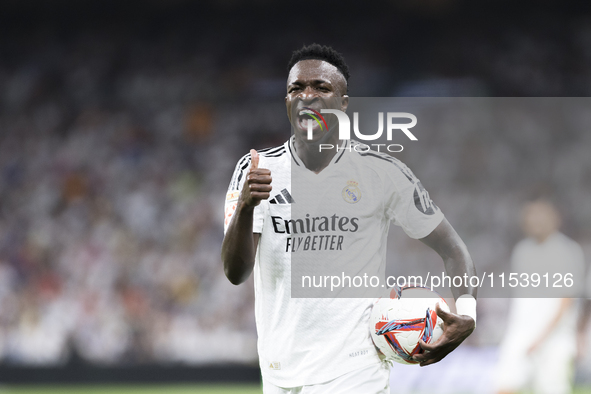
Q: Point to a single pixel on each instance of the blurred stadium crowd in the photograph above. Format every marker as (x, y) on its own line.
(118, 138)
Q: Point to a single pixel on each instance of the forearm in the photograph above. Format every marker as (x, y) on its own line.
(459, 263)
(238, 247)
(447, 243)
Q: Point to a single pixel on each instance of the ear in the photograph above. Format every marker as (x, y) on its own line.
(344, 103)
(287, 109)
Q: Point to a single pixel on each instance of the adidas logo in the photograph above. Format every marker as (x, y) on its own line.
(282, 198)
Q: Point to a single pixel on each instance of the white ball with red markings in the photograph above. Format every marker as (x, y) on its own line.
(399, 321)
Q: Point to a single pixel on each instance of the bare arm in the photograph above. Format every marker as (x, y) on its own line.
(240, 243)
(239, 246)
(448, 244)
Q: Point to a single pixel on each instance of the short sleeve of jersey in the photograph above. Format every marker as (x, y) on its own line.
(408, 204)
(233, 194)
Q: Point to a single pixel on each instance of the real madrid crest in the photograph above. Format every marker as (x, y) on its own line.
(351, 193)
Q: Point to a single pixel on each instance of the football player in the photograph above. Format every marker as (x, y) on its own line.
(322, 345)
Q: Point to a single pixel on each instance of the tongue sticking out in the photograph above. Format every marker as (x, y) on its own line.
(310, 125)
(307, 122)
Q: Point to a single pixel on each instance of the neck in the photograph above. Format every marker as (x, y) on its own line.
(542, 238)
(312, 156)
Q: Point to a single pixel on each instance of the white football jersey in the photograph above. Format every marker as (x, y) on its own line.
(557, 255)
(341, 214)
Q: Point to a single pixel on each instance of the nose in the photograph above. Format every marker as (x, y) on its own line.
(308, 94)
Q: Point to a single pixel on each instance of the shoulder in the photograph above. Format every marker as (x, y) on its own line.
(381, 162)
(563, 238)
(276, 151)
(244, 162)
(568, 243)
(266, 153)
(275, 158)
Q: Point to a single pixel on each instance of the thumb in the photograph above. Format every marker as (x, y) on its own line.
(254, 164)
(443, 314)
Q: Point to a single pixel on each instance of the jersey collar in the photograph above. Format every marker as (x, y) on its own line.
(345, 146)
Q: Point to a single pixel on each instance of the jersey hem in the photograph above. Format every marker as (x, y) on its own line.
(319, 380)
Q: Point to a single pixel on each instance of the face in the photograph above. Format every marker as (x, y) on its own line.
(315, 84)
(539, 220)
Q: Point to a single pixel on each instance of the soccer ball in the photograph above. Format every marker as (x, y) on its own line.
(397, 322)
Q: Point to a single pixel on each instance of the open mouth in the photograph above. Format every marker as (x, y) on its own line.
(311, 117)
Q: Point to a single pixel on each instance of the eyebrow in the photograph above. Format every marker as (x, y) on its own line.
(314, 82)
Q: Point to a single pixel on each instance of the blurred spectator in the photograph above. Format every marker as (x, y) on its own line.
(540, 339)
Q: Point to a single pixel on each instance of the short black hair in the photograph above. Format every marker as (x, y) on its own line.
(320, 52)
